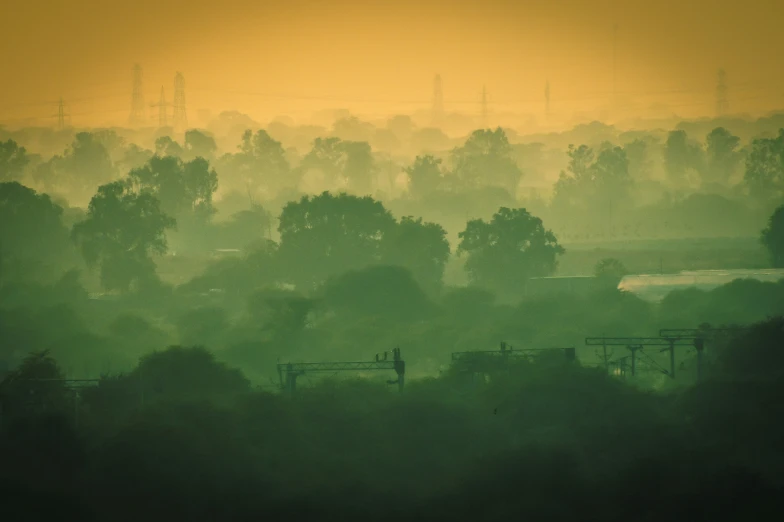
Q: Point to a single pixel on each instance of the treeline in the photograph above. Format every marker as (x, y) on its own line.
(187, 437)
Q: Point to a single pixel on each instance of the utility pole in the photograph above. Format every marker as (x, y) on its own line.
(484, 106)
(180, 117)
(722, 103)
(547, 101)
(137, 99)
(438, 100)
(162, 112)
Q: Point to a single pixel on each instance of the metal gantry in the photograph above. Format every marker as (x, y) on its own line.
(288, 372)
(638, 343)
(484, 362)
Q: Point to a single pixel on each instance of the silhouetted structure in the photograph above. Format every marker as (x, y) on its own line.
(137, 99)
(61, 115)
(180, 118)
(294, 370)
(163, 120)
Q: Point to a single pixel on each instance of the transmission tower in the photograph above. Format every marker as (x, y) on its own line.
(61, 115)
(137, 100)
(484, 106)
(162, 107)
(438, 100)
(180, 117)
(722, 103)
(547, 100)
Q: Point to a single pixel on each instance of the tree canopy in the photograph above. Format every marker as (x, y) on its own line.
(504, 253)
(121, 233)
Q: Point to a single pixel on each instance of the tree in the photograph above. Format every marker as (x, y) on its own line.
(328, 234)
(359, 168)
(639, 159)
(596, 188)
(13, 160)
(388, 291)
(259, 166)
(723, 155)
(764, 175)
(199, 144)
(181, 188)
(682, 158)
(123, 229)
(513, 247)
(424, 175)
(166, 146)
(420, 247)
(486, 159)
(609, 272)
(30, 223)
(773, 238)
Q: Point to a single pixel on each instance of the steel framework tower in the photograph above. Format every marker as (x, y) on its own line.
(137, 99)
(162, 106)
(179, 116)
(438, 99)
(722, 103)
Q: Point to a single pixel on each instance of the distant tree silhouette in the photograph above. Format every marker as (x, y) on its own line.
(123, 229)
(424, 175)
(773, 238)
(722, 155)
(199, 144)
(420, 247)
(609, 272)
(13, 160)
(328, 234)
(504, 253)
(683, 158)
(486, 159)
(764, 174)
(181, 187)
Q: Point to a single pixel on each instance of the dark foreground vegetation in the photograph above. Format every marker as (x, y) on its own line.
(184, 437)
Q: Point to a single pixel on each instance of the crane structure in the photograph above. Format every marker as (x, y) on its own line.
(288, 372)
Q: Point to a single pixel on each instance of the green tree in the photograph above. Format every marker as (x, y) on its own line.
(420, 247)
(31, 226)
(199, 144)
(166, 146)
(764, 174)
(637, 152)
(182, 188)
(486, 159)
(609, 272)
(260, 166)
(723, 155)
(504, 253)
(324, 235)
(13, 160)
(596, 187)
(683, 158)
(359, 168)
(773, 238)
(424, 175)
(121, 233)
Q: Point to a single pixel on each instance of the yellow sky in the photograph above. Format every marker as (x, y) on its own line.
(373, 56)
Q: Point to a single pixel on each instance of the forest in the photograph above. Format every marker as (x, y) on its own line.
(156, 283)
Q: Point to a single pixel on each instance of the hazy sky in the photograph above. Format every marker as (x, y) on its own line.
(372, 56)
